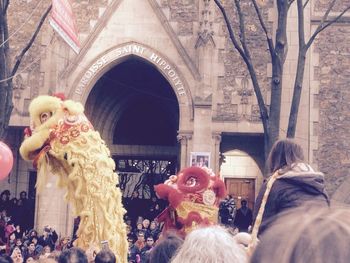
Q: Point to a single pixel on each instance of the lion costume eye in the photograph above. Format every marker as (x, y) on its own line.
(45, 116)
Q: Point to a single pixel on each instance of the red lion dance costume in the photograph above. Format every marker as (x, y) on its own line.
(194, 195)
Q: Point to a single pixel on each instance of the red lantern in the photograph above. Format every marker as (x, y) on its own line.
(6, 160)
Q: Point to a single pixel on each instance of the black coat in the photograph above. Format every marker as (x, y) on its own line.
(291, 192)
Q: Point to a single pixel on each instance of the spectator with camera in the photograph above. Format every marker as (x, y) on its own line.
(48, 238)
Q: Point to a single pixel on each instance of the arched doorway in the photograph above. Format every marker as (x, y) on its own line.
(137, 112)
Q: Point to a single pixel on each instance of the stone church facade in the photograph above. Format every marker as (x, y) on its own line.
(166, 69)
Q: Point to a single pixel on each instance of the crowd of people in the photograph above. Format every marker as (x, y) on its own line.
(239, 219)
(20, 211)
(292, 222)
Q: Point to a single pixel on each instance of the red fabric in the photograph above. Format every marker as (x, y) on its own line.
(199, 174)
(167, 192)
(219, 188)
(27, 132)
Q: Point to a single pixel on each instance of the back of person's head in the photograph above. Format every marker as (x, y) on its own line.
(212, 244)
(6, 259)
(105, 256)
(283, 154)
(303, 235)
(165, 248)
(73, 255)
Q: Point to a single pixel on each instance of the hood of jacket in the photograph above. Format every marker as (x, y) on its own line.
(304, 176)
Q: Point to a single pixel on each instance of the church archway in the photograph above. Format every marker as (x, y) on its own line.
(137, 112)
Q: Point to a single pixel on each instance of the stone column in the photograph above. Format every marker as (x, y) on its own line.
(216, 152)
(51, 209)
(183, 139)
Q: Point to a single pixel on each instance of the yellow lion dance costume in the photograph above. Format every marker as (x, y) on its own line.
(62, 139)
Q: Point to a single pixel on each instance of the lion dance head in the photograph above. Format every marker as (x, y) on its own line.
(194, 195)
(62, 140)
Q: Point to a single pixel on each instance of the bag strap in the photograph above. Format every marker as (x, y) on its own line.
(260, 214)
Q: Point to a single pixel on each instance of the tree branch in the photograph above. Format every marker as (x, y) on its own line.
(247, 60)
(281, 45)
(267, 34)
(301, 31)
(305, 4)
(290, 2)
(242, 29)
(230, 30)
(31, 41)
(318, 29)
(322, 26)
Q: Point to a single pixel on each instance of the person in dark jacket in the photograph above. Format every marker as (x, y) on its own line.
(48, 238)
(227, 211)
(293, 183)
(244, 217)
(145, 251)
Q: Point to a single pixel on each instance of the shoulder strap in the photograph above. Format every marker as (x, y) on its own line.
(260, 214)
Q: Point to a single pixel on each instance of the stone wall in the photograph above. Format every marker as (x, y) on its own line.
(23, 18)
(236, 99)
(333, 72)
(322, 5)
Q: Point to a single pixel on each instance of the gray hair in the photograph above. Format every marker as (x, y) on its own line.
(212, 244)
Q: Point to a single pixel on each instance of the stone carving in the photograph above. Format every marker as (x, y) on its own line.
(227, 112)
(184, 137)
(184, 12)
(245, 91)
(184, 28)
(85, 11)
(255, 113)
(205, 33)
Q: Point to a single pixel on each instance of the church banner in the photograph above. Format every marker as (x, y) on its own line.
(62, 20)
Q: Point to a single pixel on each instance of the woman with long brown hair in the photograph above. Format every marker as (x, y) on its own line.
(292, 183)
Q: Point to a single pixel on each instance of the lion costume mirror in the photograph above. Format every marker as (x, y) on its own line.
(63, 141)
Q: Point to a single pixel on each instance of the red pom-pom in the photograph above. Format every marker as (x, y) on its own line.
(60, 96)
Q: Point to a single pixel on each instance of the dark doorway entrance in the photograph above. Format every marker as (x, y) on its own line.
(136, 110)
(139, 175)
(140, 103)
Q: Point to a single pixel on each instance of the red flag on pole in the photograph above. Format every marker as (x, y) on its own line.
(62, 20)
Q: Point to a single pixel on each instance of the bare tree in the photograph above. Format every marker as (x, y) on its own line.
(278, 49)
(6, 72)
